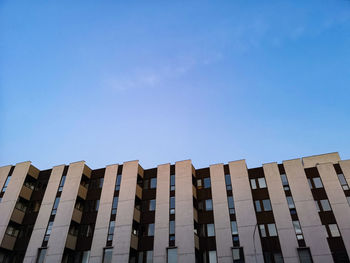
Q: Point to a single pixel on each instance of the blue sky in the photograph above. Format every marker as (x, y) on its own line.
(163, 81)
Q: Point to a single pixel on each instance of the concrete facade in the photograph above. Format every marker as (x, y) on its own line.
(161, 231)
(40, 226)
(60, 228)
(245, 213)
(222, 222)
(200, 203)
(314, 232)
(282, 215)
(184, 229)
(103, 215)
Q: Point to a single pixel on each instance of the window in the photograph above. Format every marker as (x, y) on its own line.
(285, 182)
(267, 205)
(231, 205)
(237, 255)
(325, 205)
(111, 231)
(100, 183)
(228, 182)
(97, 205)
(115, 205)
(253, 183)
(304, 255)
(310, 184)
(262, 230)
(343, 182)
(107, 255)
(55, 206)
(149, 256)
(41, 255)
(317, 206)
(210, 230)
(153, 183)
(172, 227)
(272, 230)
(207, 182)
(172, 205)
(208, 205)
(261, 183)
(172, 182)
(234, 228)
(48, 231)
(290, 202)
(298, 230)
(152, 205)
(172, 255)
(348, 198)
(150, 231)
(12, 231)
(117, 182)
(6, 183)
(333, 229)
(317, 182)
(63, 179)
(212, 256)
(257, 206)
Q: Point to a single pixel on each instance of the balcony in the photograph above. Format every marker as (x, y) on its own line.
(77, 215)
(137, 215)
(196, 241)
(71, 241)
(82, 192)
(8, 242)
(134, 241)
(17, 216)
(139, 191)
(26, 192)
(194, 191)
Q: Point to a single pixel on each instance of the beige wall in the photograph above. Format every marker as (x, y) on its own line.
(245, 213)
(4, 171)
(125, 212)
(64, 213)
(42, 220)
(104, 213)
(337, 199)
(312, 161)
(283, 220)
(314, 232)
(223, 234)
(184, 229)
(11, 195)
(161, 227)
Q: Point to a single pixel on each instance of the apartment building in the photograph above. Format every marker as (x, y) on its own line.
(294, 211)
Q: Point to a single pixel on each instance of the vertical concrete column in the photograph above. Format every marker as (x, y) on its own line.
(345, 167)
(283, 220)
(223, 234)
(245, 213)
(184, 228)
(161, 227)
(64, 214)
(314, 232)
(104, 213)
(11, 195)
(125, 213)
(337, 199)
(42, 220)
(4, 172)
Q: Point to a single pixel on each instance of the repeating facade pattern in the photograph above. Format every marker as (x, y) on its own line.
(295, 211)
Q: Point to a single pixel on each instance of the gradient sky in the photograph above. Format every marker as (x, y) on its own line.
(163, 81)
